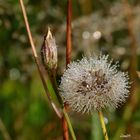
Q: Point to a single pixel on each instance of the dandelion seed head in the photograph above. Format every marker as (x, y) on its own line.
(93, 84)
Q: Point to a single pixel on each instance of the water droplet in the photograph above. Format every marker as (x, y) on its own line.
(97, 35)
(86, 35)
(106, 120)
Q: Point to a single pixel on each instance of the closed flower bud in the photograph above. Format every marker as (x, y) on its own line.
(49, 51)
(93, 84)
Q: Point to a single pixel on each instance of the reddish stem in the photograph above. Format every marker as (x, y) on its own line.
(65, 129)
(68, 58)
(68, 48)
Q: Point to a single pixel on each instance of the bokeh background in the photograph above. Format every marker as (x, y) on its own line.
(108, 26)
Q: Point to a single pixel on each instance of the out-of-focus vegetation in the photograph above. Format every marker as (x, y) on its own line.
(97, 26)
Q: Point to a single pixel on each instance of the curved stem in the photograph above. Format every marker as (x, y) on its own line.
(40, 68)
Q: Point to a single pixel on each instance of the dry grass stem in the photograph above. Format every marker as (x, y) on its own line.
(58, 113)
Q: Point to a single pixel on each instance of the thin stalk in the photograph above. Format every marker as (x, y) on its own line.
(65, 128)
(40, 68)
(69, 42)
(103, 125)
(69, 124)
(52, 77)
(68, 58)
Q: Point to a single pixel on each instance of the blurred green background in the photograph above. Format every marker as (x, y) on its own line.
(109, 26)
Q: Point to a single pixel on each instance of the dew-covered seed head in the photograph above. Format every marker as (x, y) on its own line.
(92, 84)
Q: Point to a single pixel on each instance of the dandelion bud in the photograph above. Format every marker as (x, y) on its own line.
(49, 51)
(93, 84)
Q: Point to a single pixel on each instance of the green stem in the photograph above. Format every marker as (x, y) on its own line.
(101, 117)
(52, 77)
(96, 131)
(53, 89)
(69, 125)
